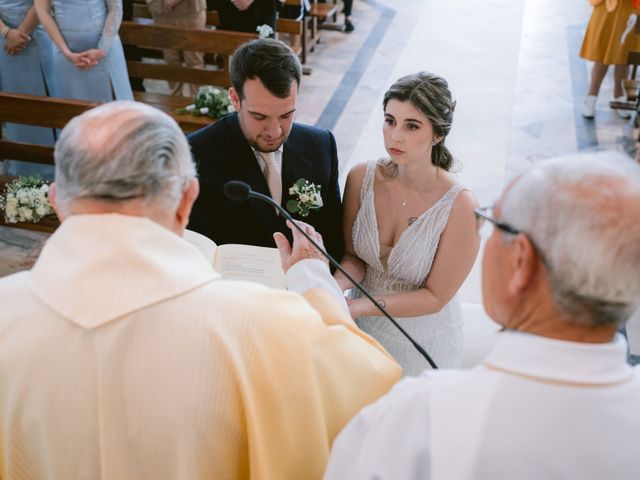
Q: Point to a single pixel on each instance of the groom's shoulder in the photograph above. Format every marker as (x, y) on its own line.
(307, 133)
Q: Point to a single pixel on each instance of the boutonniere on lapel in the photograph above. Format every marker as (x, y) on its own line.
(305, 197)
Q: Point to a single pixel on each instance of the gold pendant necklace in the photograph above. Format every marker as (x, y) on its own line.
(405, 200)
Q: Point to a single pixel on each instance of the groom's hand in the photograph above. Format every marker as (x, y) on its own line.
(302, 249)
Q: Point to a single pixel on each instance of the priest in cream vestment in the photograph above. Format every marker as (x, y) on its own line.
(123, 355)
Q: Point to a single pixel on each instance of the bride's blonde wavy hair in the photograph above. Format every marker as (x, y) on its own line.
(430, 95)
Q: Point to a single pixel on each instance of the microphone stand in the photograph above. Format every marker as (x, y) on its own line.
(260, 196)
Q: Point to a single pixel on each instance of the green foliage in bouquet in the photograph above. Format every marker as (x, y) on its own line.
(26, 199)
(210, 101)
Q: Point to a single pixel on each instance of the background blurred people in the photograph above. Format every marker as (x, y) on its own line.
(602, 46)
(89, 63)
(348, 7)
(556, 397)
(25, 67)
(185, 14)
(409, 228)
(246, 15)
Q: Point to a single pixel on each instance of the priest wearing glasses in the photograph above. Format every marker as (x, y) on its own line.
(556, 397)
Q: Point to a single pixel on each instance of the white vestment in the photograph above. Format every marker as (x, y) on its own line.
(124, 355)
(536, 409)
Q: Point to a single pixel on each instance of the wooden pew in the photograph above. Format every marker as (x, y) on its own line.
(37, 111)
(289, 26)
(283, 26)
(157, 37)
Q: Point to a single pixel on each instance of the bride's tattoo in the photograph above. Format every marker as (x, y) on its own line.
(410, 220)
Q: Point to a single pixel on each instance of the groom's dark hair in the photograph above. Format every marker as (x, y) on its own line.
(269, 60)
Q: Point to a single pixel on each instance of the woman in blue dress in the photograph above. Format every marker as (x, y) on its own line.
(89, 62)
(25, 67)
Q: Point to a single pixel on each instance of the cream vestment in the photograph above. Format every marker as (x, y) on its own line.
(123, 355)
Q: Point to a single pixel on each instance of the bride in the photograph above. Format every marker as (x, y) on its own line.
(410, 230)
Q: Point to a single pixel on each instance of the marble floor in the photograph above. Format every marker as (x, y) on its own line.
(514, 69)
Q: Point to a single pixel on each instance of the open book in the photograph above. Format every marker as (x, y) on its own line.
(241, 262)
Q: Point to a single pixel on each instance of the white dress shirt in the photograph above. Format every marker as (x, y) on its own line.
(536, 409)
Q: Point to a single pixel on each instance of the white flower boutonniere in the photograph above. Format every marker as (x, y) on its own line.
(306, 197)
(26, 200)
(264, 31)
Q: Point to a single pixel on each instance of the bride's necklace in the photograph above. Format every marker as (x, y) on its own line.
(405, 200)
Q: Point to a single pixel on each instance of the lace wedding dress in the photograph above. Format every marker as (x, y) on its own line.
(406, 269)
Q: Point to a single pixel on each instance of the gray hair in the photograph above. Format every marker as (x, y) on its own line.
(582, 212)
(120, 151)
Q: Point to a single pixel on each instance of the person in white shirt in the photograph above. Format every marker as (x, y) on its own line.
(124, 355)
(555, 398)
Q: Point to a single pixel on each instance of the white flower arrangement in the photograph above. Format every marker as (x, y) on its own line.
(26, 200)
(211, 101)
(264, 31)
(306, 197)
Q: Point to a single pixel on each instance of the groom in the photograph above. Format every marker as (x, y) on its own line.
(262, 146)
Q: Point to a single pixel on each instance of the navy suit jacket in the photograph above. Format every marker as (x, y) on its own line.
(222, 153)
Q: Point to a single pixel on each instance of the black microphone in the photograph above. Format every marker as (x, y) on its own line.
(241, 192)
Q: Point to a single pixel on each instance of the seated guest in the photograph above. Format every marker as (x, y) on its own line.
(262, 146)
(348, 25)
(556, 397)
(185, 14)
(347, 8)
(246, 15)
(126, 356)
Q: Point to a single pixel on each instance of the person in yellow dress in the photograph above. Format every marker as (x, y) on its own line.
(602, 45)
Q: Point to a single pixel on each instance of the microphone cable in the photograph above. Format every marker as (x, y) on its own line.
(241, 192)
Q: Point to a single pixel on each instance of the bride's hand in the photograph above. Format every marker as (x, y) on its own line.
(355, 307)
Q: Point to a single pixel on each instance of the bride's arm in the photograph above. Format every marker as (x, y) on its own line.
(350, 206)
(457, 250)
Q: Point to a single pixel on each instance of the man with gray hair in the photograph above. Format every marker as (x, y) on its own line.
(123, 355)
(555, 398)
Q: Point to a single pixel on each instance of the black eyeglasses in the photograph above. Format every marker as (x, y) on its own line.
(484, 214)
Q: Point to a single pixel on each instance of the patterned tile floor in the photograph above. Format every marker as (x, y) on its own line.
(513, 66)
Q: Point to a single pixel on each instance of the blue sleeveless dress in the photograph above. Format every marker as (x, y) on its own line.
(87, 24)
(30, 72)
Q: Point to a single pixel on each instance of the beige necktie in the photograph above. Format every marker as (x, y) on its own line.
(272, 174)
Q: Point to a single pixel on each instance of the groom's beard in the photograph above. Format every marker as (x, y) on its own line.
(268, 145)
(261, 144)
